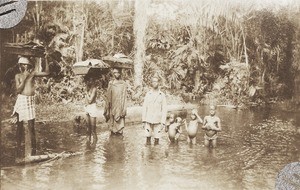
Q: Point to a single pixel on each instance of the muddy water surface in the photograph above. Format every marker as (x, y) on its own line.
(252, 148)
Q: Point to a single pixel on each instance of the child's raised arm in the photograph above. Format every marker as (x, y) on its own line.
(199, 118)
(194, 111)
(204, 123)
(179, 129)
(185, 124)
(178, 132)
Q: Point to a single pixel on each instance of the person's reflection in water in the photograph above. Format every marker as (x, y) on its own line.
(173, 148)
(114, 154)
(211, 155)
(114, 148)
(151, 166)
(153, 153)
(211, 151)
(91, 147)
(148, 153)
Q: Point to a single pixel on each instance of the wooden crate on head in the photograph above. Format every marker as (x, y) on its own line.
(90, 66)
(119, 61)
(102, 66)
(34, 51)
(30, 49)
(9, 68)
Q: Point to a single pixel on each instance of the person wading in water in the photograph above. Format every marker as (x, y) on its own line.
(24, 108)
(115, 107)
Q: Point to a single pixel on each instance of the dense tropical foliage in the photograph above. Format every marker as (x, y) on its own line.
(234, 53)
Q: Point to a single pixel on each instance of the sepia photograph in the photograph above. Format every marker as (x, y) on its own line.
(150, 94)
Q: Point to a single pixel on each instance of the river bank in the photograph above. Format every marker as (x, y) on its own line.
(64, 112)
(67, 112)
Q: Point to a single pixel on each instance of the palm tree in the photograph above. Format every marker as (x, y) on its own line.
(140, 25)
(79, 22)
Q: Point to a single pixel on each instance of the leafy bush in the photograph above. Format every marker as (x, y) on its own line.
(187, 54)
(68, 89)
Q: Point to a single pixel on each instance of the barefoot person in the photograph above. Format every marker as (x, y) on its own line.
(154, 112)
(91, 110)
(24, 108)
(115, 107)
(211, 125)
(192, 128)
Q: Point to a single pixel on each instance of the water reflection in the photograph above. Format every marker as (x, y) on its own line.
(114, 150)
(114, 155)
(252, 148)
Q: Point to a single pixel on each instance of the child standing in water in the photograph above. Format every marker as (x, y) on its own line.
(174, 130)
(91, 110)
(192, 128)
(211, 125)
(169, 121)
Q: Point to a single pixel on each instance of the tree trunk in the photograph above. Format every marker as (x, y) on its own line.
(296, 96)
(80, 51)
(78, 27)
(140, 25)
(246, 57)
(197, 80)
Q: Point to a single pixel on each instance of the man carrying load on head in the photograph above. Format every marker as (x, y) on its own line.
(115, 107)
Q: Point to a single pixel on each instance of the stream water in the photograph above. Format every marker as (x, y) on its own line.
(253, 147)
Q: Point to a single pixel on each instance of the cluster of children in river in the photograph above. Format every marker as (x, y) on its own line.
(210, 124)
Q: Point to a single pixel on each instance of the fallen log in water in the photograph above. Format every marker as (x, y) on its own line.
(228, 106)
(46, 157)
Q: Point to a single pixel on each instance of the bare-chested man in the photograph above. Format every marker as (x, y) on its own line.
(25, 105)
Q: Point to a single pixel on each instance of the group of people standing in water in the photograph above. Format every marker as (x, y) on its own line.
(155, 119)
(154, 115)
(154, 110)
